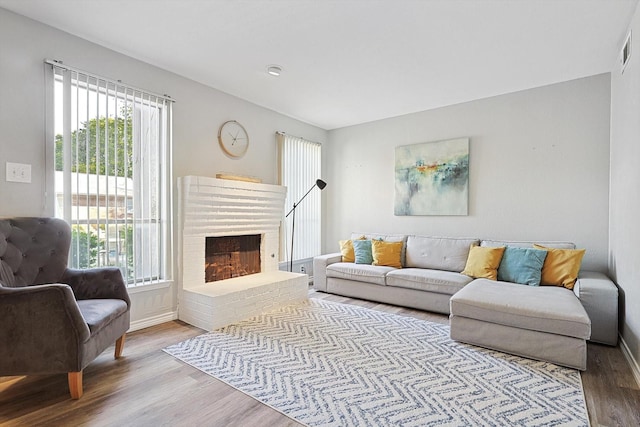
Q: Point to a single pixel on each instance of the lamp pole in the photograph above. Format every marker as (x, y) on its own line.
(320, 184)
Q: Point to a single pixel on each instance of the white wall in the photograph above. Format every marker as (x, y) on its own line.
(198, 112)
(624, 250)
(539, 169)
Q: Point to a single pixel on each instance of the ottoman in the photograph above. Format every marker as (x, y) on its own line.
(545, 323)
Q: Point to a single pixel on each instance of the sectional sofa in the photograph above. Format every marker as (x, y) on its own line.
(550, 323)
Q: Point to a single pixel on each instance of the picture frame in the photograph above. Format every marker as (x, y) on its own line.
(432, 178)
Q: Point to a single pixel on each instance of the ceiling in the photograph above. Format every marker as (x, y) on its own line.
(347, 62)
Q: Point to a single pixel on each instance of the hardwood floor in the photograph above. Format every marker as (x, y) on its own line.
(147, 387)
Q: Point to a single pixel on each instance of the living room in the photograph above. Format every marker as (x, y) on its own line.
(553, 160)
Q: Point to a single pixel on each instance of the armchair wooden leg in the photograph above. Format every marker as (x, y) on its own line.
(119, 346)
(75, 384)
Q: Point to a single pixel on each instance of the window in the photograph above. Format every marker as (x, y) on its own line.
(299, 167)
(112, 174)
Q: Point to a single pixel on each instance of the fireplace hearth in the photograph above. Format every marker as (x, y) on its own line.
(227, 257)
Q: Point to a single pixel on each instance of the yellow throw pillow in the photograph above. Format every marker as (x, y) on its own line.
(386, 253)
(561, 266)
(483, 262)
(346, 247)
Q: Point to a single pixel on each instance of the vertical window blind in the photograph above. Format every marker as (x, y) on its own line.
(299, 167)
(112, 174)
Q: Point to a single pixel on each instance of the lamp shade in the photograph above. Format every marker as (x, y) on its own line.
(321, 184)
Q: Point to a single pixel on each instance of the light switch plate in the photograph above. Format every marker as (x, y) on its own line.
(18, 172)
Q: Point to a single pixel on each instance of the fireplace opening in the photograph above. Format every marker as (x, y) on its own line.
(231, 256)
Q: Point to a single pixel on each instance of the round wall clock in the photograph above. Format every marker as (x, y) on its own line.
(233, 139)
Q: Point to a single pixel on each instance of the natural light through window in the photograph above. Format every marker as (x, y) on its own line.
(299, 167)
(112, 174)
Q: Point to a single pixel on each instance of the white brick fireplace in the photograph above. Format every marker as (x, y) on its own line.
(211, 207)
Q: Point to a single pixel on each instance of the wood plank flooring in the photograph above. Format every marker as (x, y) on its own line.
(147, 387)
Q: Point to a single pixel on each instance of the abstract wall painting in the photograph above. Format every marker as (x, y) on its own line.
(432, 178)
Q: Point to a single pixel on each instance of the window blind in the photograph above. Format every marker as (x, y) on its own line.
(113, 174)
(299, 167)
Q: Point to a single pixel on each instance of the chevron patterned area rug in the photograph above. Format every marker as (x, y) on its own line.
(330, 364)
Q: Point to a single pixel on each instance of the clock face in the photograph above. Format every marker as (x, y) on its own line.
(233, 139)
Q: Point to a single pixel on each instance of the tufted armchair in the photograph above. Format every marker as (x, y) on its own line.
(54, 319)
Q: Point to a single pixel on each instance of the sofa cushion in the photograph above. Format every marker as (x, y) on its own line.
(438, 253)
(561, 266)
(346, 249)
(554, 310)
(386, 253)
(386, 238)
(443, 282)
(98, 313)
(374, 274)
(362, 251)
(522, 265)
(483, 262)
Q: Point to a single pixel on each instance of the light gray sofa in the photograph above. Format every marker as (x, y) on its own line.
(541, 322)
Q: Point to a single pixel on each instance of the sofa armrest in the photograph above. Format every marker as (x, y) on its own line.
(97, 283)
(42, 330)
(320, 264)
(599, 297)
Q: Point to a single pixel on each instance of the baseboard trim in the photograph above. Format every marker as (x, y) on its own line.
(153, 320)
(633, 363)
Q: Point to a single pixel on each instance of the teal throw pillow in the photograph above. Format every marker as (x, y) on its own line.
(522, 265)
(362, 250)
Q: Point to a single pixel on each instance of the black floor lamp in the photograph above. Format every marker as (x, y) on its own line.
(320, 184)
